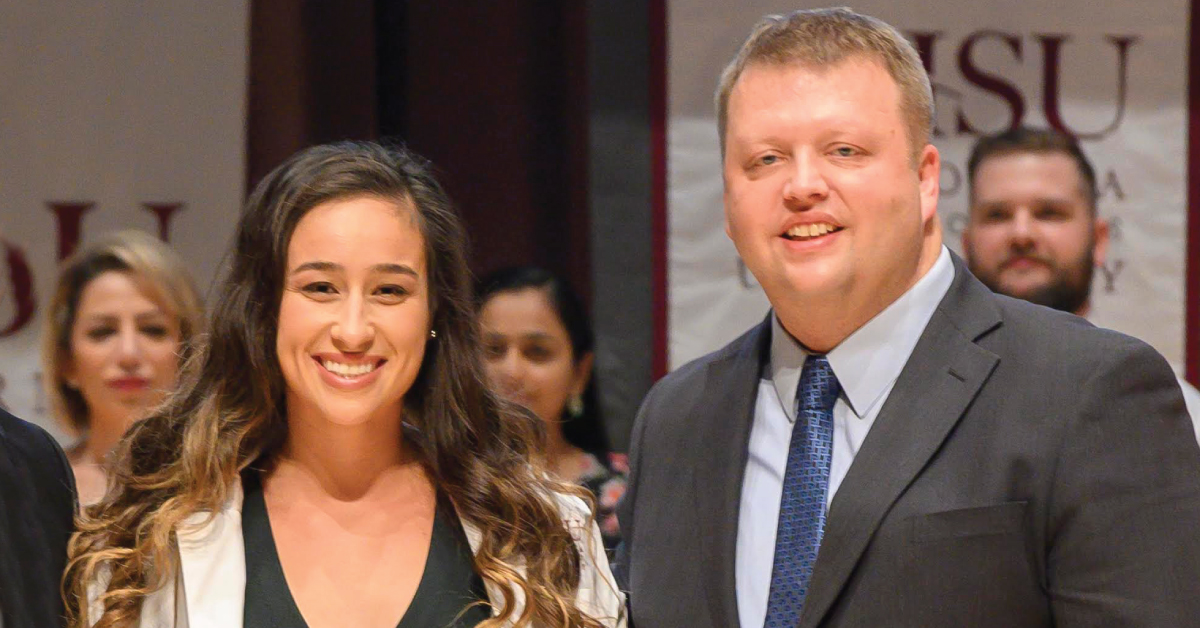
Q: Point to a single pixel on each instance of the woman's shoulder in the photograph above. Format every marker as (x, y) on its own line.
(571, 507)
(579, 520)
(598, 594)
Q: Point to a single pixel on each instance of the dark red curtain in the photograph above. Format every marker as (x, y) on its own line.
(493, 93)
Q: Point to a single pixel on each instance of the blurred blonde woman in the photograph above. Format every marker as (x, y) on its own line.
(122, 318)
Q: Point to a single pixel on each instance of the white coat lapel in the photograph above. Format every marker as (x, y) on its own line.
(597, 595)
(494, 591)
(212, 561)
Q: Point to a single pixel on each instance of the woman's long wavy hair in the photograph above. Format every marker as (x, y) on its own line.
(230, 411)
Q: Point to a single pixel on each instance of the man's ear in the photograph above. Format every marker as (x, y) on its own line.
(929, 173)
(1100, 236)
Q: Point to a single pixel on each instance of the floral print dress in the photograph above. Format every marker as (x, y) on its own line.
(607, 483)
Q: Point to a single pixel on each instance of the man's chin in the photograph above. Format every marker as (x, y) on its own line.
(1063, 297)
(1025, 291)
(1024, 288)
(810, 285)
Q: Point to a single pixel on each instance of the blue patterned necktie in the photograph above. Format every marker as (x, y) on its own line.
(805, 483)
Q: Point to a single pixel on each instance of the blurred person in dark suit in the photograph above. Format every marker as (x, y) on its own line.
(895, 444)
(1033, 232)
(37, 506)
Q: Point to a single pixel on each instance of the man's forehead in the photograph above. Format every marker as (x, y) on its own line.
(853, 82)
(852, 63)
(1018, 169)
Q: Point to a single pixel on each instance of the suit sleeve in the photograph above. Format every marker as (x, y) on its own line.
(1124, 519)
(625, 509)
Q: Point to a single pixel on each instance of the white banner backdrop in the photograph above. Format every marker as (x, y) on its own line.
(1113, 72)
(113, 115)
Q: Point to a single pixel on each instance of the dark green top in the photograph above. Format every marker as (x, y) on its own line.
(448, 584)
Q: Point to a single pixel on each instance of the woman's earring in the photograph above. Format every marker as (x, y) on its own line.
(575, 406)
(433, 333)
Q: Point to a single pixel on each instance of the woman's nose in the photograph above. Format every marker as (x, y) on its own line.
(353, 333)
(129, 349)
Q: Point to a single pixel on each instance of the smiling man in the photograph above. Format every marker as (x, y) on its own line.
(894, 445)
(1033, 232)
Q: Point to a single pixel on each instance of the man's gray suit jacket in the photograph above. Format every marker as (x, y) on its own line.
(1027, 469)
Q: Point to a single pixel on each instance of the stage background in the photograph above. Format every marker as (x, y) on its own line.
(1115, 73)
(571, 132)
(112, 115)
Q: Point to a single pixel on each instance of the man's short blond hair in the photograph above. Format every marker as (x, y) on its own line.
(821, 38)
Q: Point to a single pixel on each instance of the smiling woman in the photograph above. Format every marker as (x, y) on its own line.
(333, 456)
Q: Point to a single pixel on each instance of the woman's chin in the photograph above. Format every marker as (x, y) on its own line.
(354, 415)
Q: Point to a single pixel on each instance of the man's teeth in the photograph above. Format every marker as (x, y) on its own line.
(348, 370)
(811, 230)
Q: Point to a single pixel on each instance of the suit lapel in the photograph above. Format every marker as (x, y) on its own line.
(495, 592)
(725, 413)
(943, 375)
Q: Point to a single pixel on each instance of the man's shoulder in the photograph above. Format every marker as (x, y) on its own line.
(745, 348)
(678, 397)
(1035, 328)
(23, 437)
(1042, 349)
(31, 446)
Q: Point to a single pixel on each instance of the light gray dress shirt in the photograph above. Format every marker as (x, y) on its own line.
(1191, 397)
(866, 364)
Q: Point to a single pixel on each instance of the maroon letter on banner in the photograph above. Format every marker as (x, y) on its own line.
(22, 286)
(163, 211)
(990, 82)
(1052, 71)
(925, 42)
(69, 216)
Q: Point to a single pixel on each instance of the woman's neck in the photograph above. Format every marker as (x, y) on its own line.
(562, 457)
(345, 460)
(102, 436)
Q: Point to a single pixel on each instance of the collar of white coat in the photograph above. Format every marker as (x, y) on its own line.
(212, 562)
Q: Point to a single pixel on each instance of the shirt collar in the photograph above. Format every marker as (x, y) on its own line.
(870, 359)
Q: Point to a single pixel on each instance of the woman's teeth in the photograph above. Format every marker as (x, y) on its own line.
(348, 370)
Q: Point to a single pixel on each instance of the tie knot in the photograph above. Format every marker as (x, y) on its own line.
(819, 387)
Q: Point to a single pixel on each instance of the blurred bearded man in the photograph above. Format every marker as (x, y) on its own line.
(1033, 232)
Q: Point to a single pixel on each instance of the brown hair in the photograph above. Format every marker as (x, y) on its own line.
(821, 38)
(1024, 139)
(230, 412)
(158, 271)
